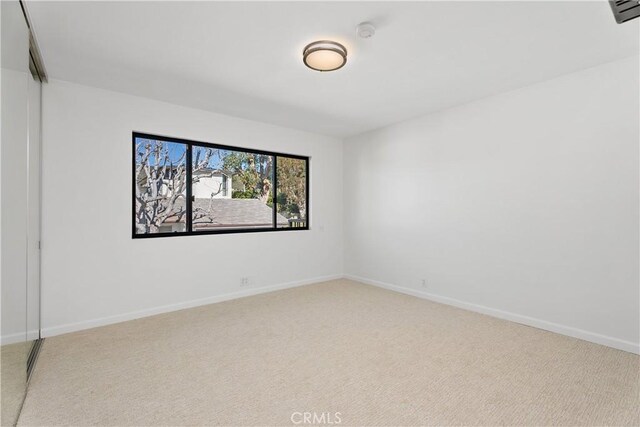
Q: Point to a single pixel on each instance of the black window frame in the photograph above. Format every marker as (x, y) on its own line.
(188, 202)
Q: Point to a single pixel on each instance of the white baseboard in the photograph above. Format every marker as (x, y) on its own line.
(617, 343)
(518, 318)
(103, 321)
(19, 337)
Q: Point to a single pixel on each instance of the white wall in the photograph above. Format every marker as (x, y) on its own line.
(94, 272)
(523, 205)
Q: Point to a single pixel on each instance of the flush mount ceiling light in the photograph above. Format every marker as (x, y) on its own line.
(324, 55)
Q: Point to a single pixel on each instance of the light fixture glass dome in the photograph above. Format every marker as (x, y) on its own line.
(324, 55)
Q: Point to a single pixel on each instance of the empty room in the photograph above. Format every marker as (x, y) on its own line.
(302, 213)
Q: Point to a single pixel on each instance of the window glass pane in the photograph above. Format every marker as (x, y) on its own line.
(231, 189)
(160, 185)
(292, 192)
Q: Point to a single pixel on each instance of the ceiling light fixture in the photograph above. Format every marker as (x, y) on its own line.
(324, 55)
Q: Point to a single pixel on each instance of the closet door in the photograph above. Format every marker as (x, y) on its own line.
(33, 224)
(13, 207)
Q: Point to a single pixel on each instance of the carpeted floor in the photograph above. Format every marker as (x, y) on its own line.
(13, 380)
(374, 356)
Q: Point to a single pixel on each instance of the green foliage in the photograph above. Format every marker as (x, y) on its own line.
(253, 170)
(286, 208)
(237, 194)
(292, 191)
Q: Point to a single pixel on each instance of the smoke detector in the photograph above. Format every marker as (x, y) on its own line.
(365, 30)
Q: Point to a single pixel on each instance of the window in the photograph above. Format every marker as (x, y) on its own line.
(291, 193)
(185, 187)
(160, 184)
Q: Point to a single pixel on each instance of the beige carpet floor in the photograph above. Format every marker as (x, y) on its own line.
(375, 356)
(13, 380)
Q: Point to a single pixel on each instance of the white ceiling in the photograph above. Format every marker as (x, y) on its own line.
(245, 59)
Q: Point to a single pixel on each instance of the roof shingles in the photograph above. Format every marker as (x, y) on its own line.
(217, 213)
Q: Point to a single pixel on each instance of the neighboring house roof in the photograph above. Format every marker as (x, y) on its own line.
(231, 213)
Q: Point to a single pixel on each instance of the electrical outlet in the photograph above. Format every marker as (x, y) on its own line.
(423, 282)
(246, 281)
